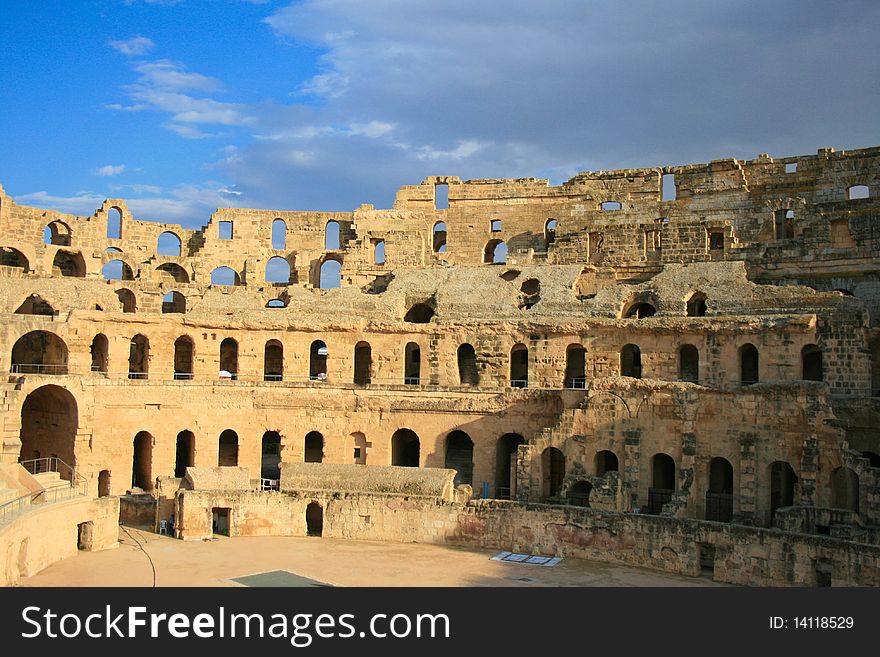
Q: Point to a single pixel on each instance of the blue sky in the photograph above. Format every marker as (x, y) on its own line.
(185, 106)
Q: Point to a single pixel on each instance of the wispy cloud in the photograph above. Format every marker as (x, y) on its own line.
(134, 47)
(109, 170)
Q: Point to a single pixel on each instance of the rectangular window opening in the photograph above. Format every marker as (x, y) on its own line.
(441, 196)
(224, 230)
(668, 187)
(791, 167)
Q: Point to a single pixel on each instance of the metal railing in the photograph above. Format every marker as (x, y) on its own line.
(38, 368)
(76, 486)
(269, 484)
(519, 383)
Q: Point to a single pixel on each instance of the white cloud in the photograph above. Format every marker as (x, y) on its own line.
(109, 170)
(171, 76)
(372, 129)
(133, 47)
(463, 150)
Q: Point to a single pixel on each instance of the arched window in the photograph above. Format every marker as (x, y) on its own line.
(318, 361)
(748, 365)
(279, 234)
(313, 451)
(378, 252)
(10, 257)
(639, 310)
(229, 359)
(845, 489)
(606, 461)
(550, 232)
(273, 361)
(70, 264)
(99, 351)
(114, 223)
(553, 469)
(696, 305)
(662, 482)
(719, 497)
(412, 364)
(495, 253)
(631, 361)
(168, 244)
(689, 364)
(139, 357)
(420, 313)
(575, 367)
(39, 352)
(579, 493)
(57, 233)
(227, 452)
(439, 237)
(49, 424)
(117, 270)
(183, 358)
(857, 192)
(468, 375)
(225, 276)
(363, 363)
(126, 298)
(173, 302)
(331, 274)
(519, 366)
(505, 465)
(811, 363)
(405, 448)
(331, 236)
(278, 271)
(185, 453)
(460, 457)
(782, 481)
(276, 303)
(270, 465)
(170, 272)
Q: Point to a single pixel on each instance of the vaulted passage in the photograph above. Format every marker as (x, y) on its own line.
(505, 465)
(67, 263)
(318, 361)
(553, 469)
(460, 457)
(314, 519)
(363, 363)
(49, 422)
(467, 366)
(98, 350)
(273, 361)
(405, 448)
(185, 455)
(39, 352)
(575, 367)
(270, 466)
(139, 357)
(689, 364)
(782, 481)
(229, 359)
(662, 482)
(183, 358)
(142, 462)
(719, 497)
(631, 361)
(227, 453)
(412, 368)
(579, 493)
(519, 366)
(606, 461)
(313, 448)
(748, 364)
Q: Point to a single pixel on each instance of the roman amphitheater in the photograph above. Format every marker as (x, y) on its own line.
(675, 368)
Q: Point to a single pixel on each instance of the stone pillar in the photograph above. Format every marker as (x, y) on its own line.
(747, 480)
(809, 468)
(632, 439)
(524, 473)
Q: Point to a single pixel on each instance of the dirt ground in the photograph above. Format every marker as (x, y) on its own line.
(331, 561)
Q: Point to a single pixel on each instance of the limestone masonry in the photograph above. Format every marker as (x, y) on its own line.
(675, 367)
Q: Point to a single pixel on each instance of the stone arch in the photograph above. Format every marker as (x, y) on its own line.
(313, 447)
(184, 356)
(168, 244)
(519, 366)
(225, 276)
(279, 234)
(227, 448)
(689, 363)
(639, 306)
(605, 461)
(420, 313)
(314, 519)
(185, 452)
(631, 361)
(39, 352)
(10, 257)
(363, 363)
(438, 237)
(69, 264)
(412, 364)
(57, 233)
(662, 482)
(127, 299)
(142, 461)
(575, 366)
(36, 305)
(117, 270)
(782, 483)
(719, 495)
(278, 270)
(170, 272)
(229, 358)
(99, 350)
(330, 274)
(273, 361)
(270, 463)
(695, 306)
(331, 236)
(468, 374)
(318, 356)
(174, 302)
(749, 365)
(49, 423)
(553, 472)
(460, 456)
(405, 448)
(114, 223)
(579, 493)
(505, 464)
(139, 357)
(495, 252)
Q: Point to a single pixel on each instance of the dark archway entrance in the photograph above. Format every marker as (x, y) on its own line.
(314, 519)
(227, 454)
(39, 352)
(49, 421)
(314, 448)
(405, 448)
(460, 456)
(553, 467)
(719, 497)
(662, 482)
(142, 462)
(782, 481)
(185, 455)
(505, 465)
(270, 467)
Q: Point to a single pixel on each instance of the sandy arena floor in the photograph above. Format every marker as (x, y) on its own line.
(332, 561)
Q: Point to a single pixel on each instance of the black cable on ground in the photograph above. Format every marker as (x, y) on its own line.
(152, 565)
